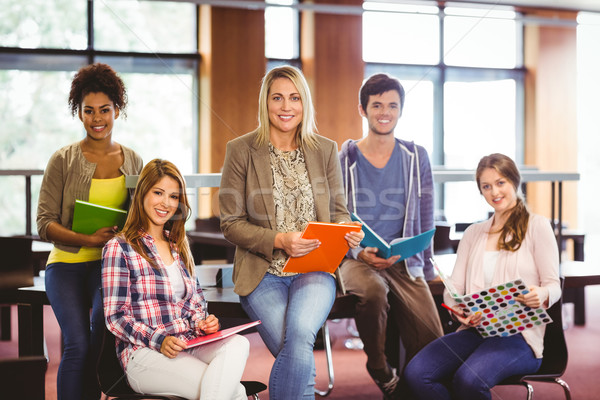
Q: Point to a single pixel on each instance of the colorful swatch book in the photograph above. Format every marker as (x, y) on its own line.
(502, 314)
(89, 217)
(404, 247)
(328, 256)
(213, 337)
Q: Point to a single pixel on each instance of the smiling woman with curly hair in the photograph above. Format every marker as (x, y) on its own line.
(92, 169)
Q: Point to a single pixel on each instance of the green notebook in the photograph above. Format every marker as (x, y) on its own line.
(89, 217)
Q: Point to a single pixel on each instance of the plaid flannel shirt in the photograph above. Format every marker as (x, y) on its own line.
(140, 308)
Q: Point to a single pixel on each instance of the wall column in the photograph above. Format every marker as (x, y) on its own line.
(331, 52)
(232, 45)
(550, 110)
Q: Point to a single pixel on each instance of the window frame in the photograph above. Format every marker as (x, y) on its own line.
(441, 73)
(66, 60)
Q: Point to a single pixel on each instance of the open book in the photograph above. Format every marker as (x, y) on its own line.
(404, 247)
(213, 337)
(329, 254)
(89, 217)
(502, 314)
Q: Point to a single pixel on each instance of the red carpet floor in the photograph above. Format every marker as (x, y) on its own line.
(351, 378)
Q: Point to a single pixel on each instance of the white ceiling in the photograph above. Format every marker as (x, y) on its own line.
(335, 8)
(579, 5)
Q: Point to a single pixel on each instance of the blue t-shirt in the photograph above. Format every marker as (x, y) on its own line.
(381, 196)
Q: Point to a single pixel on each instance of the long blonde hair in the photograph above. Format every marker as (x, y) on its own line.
(514, 230)
(137, 219)
(307, 129)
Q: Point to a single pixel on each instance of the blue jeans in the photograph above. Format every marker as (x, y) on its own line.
(292, 310)
(464, 365)
(72, 290)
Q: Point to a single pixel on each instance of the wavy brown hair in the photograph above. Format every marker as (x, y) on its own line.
(514, 230)
(137, 219)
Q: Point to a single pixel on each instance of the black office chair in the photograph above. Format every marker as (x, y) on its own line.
(555, 358)
(113, 382)
(442, 244)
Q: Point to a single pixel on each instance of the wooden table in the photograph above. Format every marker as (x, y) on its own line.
(16, 270)
(578, 274)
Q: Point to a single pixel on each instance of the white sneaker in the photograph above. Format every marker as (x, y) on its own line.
(388, 388)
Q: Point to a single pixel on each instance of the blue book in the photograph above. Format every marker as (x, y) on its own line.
(404, 247)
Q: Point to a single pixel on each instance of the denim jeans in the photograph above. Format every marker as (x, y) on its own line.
(72, 290)
(390, 296)
(292, 310)
(464, 365)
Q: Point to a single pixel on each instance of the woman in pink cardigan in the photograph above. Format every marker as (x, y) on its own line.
(512, 244)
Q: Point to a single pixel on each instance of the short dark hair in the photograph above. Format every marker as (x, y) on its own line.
(378, 84)
(97, 78)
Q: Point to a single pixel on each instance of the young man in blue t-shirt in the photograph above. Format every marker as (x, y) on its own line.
(389, 185)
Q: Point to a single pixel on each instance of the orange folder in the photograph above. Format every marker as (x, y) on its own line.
(329, 254)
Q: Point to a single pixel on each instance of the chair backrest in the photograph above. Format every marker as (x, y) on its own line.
(108, 369)
(441, 239)
(16, 265)
(555, 346)
(461, 226)
(23, 377)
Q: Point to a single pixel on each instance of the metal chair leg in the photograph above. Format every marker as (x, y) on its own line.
(328, 355)
(565, 387)
(529, 390)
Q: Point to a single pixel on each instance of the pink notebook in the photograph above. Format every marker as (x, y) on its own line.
(213, 337)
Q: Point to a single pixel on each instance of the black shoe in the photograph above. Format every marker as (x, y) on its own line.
(390, 388)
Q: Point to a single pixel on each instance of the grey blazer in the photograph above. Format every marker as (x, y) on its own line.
(248, 209)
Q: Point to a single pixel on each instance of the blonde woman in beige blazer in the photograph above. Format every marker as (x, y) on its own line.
(275, 180)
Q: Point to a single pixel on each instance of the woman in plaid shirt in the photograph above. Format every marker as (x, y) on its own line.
(153, 304)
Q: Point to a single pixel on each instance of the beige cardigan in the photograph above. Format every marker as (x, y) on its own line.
(68, 176)
(248, 209)
(536, 262)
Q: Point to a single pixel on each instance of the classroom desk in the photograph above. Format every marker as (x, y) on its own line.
(20, 262)
(204, 243)
(580, 274)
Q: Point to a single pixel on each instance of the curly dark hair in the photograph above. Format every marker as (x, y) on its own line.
(97, 78)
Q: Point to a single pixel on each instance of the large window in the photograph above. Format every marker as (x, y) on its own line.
(462, 72)
(145, 26)
(588, 140)
(43, 43)
(282, 35)
(400, 33)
